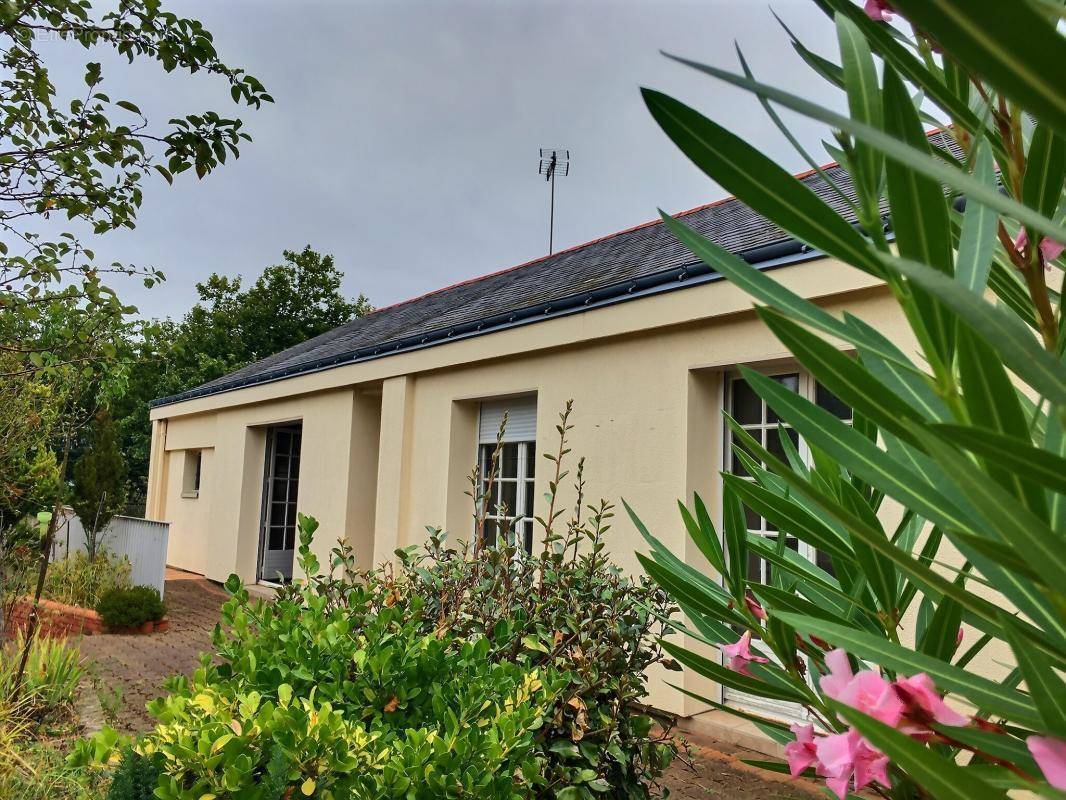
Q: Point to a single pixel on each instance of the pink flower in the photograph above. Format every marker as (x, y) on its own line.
(878, 10)
(867, 691)
(923, 704)
(958, 638)
(740, 655)
(1049, 248)
(840, 673)
(846, 758)
(871, 766)
(756, 610)
(801, 753)
(835, 754)
(1050, 756)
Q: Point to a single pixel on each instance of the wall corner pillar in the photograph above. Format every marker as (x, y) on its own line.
(155, 503)
(394, 443)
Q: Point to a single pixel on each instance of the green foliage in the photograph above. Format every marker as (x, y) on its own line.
(129, 608)
(50, 685)
(86, 157)
(229, 327)
(29, 476)
(136, 776)
(32, 769)
(966, 435)
(99, 481)
(588, 621)
(77, 581)
(459, 673)
(308, 699)
(566, 610)
(401, 726)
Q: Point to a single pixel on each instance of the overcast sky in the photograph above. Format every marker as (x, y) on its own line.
(404, 136)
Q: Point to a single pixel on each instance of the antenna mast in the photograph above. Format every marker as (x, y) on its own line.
(553, 162)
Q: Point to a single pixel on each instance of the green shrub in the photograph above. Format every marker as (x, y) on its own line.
(943, 505)
(565, 608)
(136, 776)
(586, 619)
(305, 701)
(77, 581)
(470, 672)
(50, 684)
(129, 608)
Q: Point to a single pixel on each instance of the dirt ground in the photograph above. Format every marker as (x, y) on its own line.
(125, 672)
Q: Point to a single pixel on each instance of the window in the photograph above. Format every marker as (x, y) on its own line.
(190, 479)
(748, 409)
(759, 420)
(510, 499)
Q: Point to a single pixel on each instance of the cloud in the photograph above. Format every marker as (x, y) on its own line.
(405, 134)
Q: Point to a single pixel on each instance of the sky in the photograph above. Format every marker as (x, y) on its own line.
(405, 134)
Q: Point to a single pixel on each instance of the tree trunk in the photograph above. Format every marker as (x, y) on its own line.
(42, 573)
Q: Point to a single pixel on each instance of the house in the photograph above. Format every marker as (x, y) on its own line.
(374, 427)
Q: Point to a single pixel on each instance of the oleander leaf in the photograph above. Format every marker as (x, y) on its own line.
(977, 240)
(989, 694)
(932, 166)
(1011, 45)
(760, 182)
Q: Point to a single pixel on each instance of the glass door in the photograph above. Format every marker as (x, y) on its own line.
(281, 483)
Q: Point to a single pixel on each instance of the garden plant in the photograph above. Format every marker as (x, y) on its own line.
(942, 510)
(124, 608)
(345, 684)
(37, 726)
(79, 581)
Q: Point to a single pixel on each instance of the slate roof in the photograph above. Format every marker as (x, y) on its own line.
(637, 257)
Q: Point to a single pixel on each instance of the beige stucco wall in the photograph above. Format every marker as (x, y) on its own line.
(388, 443)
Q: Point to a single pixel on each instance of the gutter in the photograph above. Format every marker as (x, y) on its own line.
(695, 273)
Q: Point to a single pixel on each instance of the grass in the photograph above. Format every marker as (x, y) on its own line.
(37, 770)
(35, 727)
(50, 684)
(77, 581)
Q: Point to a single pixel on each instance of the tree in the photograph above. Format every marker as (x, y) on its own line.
(99, 481)
(288, 304)
(963, 429)
(29, 479)
(86, 157)
(226, 329)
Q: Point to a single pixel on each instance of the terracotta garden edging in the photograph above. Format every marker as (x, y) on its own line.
(58, 620)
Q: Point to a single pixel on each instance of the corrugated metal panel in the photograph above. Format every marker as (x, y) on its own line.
(521, 419)
(142, 541)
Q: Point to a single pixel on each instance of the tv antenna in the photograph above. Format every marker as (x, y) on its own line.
(552, 163)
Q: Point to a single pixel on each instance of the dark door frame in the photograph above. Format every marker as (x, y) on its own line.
(269, 467)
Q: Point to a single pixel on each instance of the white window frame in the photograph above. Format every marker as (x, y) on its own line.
(520, 517)
(806, 387)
